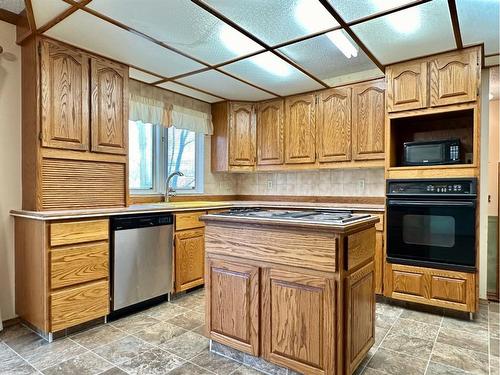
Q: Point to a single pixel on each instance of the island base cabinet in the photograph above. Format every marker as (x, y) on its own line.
(360, 311)
(232, 309)
(295, 302)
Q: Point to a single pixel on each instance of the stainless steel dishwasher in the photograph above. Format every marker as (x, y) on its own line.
(141, 258)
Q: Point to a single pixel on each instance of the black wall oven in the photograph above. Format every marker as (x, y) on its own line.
(432, 223)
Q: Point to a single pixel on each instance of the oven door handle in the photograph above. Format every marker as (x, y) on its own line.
(430, 203)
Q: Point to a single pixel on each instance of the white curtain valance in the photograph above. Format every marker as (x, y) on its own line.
(190, 119)
(149, 111)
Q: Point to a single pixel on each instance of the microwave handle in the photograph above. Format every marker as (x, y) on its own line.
(430, 203)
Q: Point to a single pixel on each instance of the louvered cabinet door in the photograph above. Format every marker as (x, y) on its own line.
(270, 123)
(407, 86)
(64, 97)
(368, 121)
(300, 129)
(454, 78)
(333, 137)
(109, 107)
(241, 135)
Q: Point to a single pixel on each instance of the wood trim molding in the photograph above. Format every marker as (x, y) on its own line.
(452, 6)
(9, 17)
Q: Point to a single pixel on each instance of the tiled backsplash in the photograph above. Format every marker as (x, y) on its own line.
(335, 182)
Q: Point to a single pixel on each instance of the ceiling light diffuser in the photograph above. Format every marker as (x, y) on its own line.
(236, 41)
(313, 16)
(345, 46)
(405, 21)
(272, 63)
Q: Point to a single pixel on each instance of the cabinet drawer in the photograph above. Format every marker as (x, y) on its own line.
(78, 264)
(73, 232)
(189, 220)
(73, 306)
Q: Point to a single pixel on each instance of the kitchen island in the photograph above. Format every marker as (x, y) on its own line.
(296, 289)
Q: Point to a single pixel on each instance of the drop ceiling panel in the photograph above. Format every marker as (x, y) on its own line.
(14, 6)
(86, 31)
(276, 21)
(421, 30)
(139, 75)
(351, 10)
(47, 10)
(180, 24)
(325, 60)
(272, 73)
(172, 86)
(479, 22)
(224, 86)
(492, 60)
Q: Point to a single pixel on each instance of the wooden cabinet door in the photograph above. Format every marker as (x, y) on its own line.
(333, 126)
(241, 135)
(233, 304)
(64, 97)
(270, 132)
(109, 106)
(300, 144)
(368, 121)
(189, 259)
(407, 86)
(360, 311)
(295, 302)
(454, 77)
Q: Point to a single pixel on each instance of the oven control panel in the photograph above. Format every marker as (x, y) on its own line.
(432, 187)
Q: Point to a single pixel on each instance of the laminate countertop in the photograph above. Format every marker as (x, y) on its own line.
(188, 206)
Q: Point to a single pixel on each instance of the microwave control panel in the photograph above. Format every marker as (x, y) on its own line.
(432, 187)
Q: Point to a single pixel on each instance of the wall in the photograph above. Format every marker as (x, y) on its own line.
(493, 157)
(335, 182)
(10, 161)
(217, 183)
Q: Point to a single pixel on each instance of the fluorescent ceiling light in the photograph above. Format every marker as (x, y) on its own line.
(313, 16)
(345, 46)
(239, 44)
(405, 21)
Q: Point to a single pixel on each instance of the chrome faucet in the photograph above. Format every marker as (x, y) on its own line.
(170, 191)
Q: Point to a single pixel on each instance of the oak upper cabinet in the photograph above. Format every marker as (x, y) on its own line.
(407, 86)
(241, 134)
(270, 122)
(295, 302)
(300, 124)
(233, 306)
(109, 106)
(333, 125)
(454, 77)
(64, 97)
(189, 258)
(368, 121)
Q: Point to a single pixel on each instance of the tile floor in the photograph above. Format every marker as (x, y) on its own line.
(168, 339)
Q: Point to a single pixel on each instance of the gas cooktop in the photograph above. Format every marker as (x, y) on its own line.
(321, 216)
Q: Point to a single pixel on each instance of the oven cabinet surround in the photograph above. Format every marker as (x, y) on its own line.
(335, 128)
(62, 272)
(299, 296)
(450, 78)
(74, 128)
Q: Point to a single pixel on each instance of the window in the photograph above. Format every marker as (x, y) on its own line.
(155, 152)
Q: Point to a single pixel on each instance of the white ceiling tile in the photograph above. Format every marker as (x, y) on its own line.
(224, 86)
(479, 22)
(272, 73)
(47, 10)
(172, 86)
(492, 60)
(351, 10)
(277, 21)
(139, 75)
(86, 31)
(322, 58)
(14, 6)
(421, 30)
(180, 24)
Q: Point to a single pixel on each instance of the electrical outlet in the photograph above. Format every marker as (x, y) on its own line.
(269, 184)
(361, 184)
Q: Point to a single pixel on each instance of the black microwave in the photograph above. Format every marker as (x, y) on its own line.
(431, 152)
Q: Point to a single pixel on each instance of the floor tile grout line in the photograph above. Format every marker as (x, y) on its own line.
(104, 359)
(433, 345)
(20, 356)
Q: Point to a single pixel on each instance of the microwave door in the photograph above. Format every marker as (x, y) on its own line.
(424, 154)
(430, 233)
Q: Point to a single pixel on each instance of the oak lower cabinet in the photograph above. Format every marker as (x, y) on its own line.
(189, 250)
(442, 288)
(62, 272)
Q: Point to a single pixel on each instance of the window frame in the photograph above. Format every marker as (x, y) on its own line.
(160, 157)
